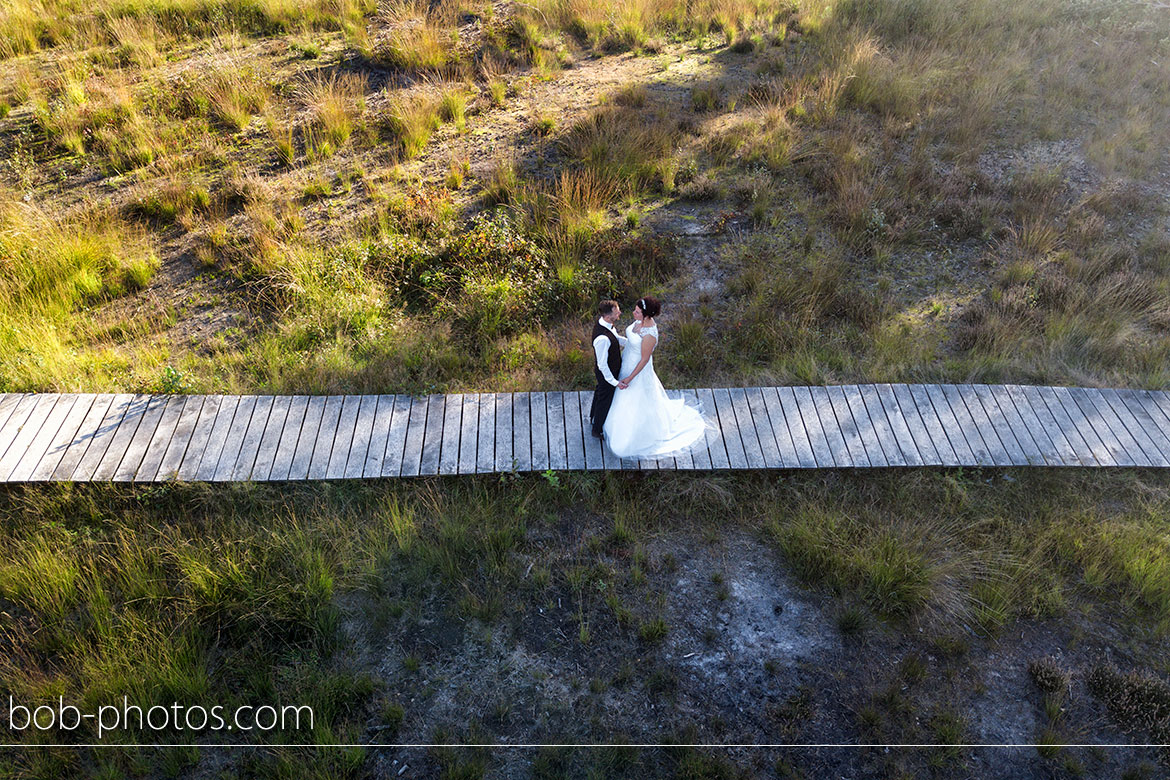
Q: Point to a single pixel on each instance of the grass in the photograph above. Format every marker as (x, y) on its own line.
(336, 102)
(453, 107)
(235, 93)
(412, 119)
(420, 38)
(57, 270)
(129, 603)
(28, 27)
(621, 146)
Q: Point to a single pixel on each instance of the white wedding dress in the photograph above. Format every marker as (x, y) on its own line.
(643, 421)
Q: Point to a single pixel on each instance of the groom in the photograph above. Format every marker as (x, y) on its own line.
(607, 346)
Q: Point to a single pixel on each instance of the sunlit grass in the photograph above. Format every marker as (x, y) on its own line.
(140, 27)
(56, 270)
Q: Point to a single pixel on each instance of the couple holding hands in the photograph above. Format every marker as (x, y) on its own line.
(631, 409)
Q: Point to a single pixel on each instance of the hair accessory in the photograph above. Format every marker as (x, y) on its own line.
(642, 303)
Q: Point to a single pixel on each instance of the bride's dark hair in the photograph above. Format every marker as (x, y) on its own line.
(649, 306)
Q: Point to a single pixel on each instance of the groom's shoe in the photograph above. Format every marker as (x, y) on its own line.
(597, 435)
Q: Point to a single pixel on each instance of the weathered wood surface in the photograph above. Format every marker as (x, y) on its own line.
(145, 438)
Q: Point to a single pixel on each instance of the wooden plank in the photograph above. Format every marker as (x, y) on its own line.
(716, 446)
(558, 457)
(747, 428)
(882, 426)
(504, 459)
(728, 423)
(395, 446)
(866, 429)
(521, 431)
(307, 438)
(917, 398)
(1135, 429)
(8, 403)
(485, 459)
(827, 418)
(1030, 431)
(1104, 450)
(1013, 418)
(172, 458)
(574, 435)
(326, 437)
(98, 441)
(766, 428)
(900, 426)
(290, 435)
(436, 408)
(70, 430)
(469, 434)
(90, 429)
(38, 446)
(233, 440)
(380, 421)
(613, 462)
(808, 419)
(1157, 406)
(538, 424)
(1087, 446)
(965, 423)
(135, 449)
(270, 439)
(200, 436)
(251, 437)
(701, 454)
(343, 435)
(233, 448)
(359, 447)
(419, 425)
(1151, 424)
(1034, 421)
(684, 460)
(1157, 400)
(16, 420)
(1097, 409)
(791, 441)
(121, 439)
(431, 413)
(950, 427)
(42, 407)
(1069, 455)
(1002, 444)
(218, 437)
(592, 448)
(848, 427)
(156, 448)
(1096, 434)
(452, 428)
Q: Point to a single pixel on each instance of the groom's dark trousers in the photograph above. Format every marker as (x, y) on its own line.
(603, 395)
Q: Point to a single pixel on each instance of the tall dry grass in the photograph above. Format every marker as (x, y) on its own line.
(52, 271)
(336, 102)
(417, 35)
(27, 26)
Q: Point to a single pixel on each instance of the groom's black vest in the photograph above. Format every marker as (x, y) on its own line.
(613, 357)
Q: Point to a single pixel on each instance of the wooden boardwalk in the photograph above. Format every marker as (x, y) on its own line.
(153, 438)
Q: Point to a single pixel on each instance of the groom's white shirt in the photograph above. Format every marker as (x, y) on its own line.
(601, 349)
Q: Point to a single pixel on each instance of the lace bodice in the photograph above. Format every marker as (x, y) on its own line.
(636, 336)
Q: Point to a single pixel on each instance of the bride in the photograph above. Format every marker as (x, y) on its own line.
(643, 422)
